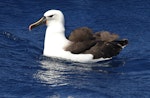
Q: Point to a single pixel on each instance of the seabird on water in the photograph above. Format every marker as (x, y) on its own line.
(82, 45)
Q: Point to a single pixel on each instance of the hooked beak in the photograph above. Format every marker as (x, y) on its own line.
(38, 23)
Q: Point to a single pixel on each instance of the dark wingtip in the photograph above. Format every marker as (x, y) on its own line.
(125, 42)
(122, 42)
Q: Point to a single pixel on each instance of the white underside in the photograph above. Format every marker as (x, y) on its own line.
(84, 58)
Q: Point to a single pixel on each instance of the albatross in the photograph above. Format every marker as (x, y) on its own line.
(83, 45)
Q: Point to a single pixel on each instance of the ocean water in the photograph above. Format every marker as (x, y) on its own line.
(26, 73)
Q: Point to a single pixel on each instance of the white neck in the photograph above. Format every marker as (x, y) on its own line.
(55, 39)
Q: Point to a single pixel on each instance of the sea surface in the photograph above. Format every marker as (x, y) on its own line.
(26, 73)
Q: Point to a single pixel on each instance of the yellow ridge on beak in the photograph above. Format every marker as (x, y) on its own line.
(38, 23)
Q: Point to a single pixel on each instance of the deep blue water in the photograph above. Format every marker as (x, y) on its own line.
(25, 73)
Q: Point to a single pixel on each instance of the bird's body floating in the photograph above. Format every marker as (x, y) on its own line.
(82, 45)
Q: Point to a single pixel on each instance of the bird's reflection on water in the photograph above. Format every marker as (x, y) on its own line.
(56, 72)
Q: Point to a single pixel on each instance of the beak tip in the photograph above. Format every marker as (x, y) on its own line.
(39, 22)
(30, 28)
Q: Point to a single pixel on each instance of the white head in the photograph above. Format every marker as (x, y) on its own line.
(54, 16)
(49, 17)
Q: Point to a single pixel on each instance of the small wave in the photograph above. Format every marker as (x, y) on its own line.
(10, 36)
(15, 46)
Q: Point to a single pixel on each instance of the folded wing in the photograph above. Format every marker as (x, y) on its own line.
(100, 44)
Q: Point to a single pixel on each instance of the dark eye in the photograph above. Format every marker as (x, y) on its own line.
(51, 16)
